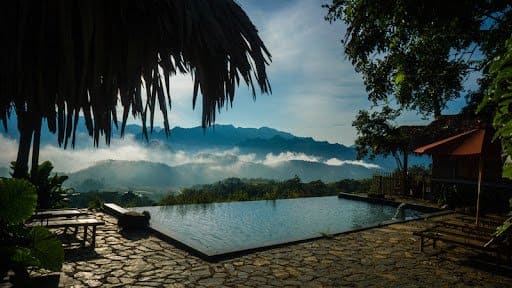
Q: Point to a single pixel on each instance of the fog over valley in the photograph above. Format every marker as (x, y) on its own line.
(192, 156)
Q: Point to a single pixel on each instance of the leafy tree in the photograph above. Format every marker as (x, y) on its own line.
(499, 95)
(421, 52)
(249, 190)
(378, 136)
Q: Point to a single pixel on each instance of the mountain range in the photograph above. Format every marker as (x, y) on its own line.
(149, 176)
(212, 154)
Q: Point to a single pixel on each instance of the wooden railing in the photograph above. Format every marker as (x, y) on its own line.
(390, 183)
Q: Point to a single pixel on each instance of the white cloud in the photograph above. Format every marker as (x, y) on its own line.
(338, 162)
(319, 91)
(9, 150)
(72, 160)
(316, 91)
(273, 160)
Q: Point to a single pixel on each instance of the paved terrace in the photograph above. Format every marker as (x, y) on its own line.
(379, 257)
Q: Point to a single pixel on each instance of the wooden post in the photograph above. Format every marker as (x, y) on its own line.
(405, 182)
(85, 236)
(93, 236)
(480, 168)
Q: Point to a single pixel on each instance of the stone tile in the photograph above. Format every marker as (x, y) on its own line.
(382, 257)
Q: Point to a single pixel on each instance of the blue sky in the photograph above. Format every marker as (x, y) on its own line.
(316, 91)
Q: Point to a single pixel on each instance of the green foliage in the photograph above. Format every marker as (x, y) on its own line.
(503, 229)
(21, 247)
(420, 53)
(507, 171)
(95, 203)
(94, 200)
(46, 249)
(499, 95)
(49, 188)
(352, 186)
(50, 193)
(377, 135)
(418, 172)
(18, 200)
(234, 189)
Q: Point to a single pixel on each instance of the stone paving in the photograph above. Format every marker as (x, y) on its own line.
(379, 257)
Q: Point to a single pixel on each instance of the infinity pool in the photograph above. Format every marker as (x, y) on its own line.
(220, 228)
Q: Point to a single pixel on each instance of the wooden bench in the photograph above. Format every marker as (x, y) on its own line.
(469, 228)
(70, 223)
(480, 238)
(489, 221)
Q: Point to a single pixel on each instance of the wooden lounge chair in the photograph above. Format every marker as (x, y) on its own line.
(76, 223)
(479, 238)
(490, 221)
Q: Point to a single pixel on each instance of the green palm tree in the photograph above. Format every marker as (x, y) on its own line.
(60, 58)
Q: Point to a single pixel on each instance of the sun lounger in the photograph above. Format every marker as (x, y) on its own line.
(469, 228)
(465, 235)
(76, 223)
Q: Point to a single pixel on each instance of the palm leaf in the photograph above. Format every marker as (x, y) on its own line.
(61, 58)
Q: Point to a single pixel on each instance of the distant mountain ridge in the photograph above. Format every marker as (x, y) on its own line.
(258, 141)
(118, 175)
(261, 141)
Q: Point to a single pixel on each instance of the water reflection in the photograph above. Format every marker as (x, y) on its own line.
(183, 210)
(227, 227)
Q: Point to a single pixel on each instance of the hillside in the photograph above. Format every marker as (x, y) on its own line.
(141, 175)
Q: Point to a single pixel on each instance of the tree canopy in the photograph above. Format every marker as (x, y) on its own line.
(419, 53)
(499, 95)
(377, 135)
(64, 58)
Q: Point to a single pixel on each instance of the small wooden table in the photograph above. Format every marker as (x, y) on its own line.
(61, 213)
(81, 222)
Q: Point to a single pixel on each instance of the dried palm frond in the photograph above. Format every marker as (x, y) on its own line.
(63, 57)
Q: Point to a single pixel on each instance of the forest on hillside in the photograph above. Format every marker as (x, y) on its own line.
(230, 189)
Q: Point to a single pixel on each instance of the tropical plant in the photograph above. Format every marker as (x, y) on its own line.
(50, 193)
(22, 247)
(503, 229)
(64, 58)
(499, 95)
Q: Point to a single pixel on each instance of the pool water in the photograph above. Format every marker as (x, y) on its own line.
(220, 228)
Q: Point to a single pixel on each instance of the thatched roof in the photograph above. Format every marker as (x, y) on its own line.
(63, 57)
(443, 127)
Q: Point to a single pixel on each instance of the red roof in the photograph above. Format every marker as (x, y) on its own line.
(470, 143)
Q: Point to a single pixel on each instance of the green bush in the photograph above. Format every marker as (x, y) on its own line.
(22, 247)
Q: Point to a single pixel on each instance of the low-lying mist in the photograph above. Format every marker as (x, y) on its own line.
(129, 149)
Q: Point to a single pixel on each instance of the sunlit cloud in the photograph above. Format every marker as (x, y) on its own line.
(338, 162)
(273, 160)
